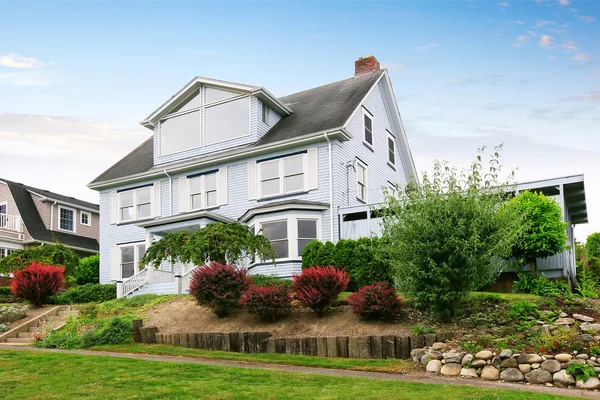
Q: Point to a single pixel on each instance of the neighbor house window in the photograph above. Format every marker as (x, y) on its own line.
(307, 232)
(368, 127)
(130, 256)
(86, 218)
(361, 181)
(135, 204)
(277, 233)
(203, 191)
(66, 219)
(281, 176)
(391, 144)
(265, 114)
(5, 252)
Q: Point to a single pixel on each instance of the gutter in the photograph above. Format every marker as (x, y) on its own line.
(52, 215)
(330, 187)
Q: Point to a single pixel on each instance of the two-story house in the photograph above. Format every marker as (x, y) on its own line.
(33, 217)
(224, 151)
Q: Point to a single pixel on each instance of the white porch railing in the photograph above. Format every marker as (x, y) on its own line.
(159, 276)
(11, 223)
(146, 275)
(186, 278)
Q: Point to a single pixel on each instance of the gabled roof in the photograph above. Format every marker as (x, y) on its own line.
(36, 227)
(324, 108)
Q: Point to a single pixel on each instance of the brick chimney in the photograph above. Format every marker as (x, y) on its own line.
(366, 64)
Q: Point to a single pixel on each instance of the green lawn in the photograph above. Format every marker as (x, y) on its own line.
(29, 375)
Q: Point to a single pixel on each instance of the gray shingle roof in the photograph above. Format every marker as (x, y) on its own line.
(314, 110)
(35, 225)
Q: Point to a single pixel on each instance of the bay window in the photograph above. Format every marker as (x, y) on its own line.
(290, 233)
(277, 233)
(307, 232)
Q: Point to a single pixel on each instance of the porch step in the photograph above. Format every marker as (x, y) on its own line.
(156, 288)
(22, 335)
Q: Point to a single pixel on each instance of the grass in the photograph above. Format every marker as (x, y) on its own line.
(44, 376)
(134, 307)
(388, 365)
(510, 297)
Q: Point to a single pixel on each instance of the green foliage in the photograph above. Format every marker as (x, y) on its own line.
(115, 331)
(544, 232)
(88, 271)
(592, 245)
(5, 290)
(541, 286)
(12, 313)
(449, 234)
(470, 346)
(216, 242)
(264, 280)
(86, 294)
(595, 350)
(82, 333)
(522, 310)
(366, 260)
(587, 286)
(421, 330)
(50, 254)
(581, 371)
(132, 307)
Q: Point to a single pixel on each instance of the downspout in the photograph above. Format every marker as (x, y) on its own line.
(170, 192)
(52, 216)
(330, 187)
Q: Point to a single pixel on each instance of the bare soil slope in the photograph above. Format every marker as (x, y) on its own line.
(183, 315)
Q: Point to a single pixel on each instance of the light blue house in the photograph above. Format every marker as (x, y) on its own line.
(223, 151)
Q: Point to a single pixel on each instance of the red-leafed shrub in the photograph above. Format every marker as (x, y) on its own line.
(37, 282)
(219, 286)
(319, 286)
(269, 302)
(376, 301)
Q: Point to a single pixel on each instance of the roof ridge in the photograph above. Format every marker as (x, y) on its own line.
(34, 189)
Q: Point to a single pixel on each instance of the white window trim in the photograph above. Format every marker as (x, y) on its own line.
(218, 103)
(392, 189)
(292, 227)
(135, 205)
(359, 162)
(74, 219)
(136, 261)
(265, 114)
(364, 128)
(389, 136)
(89, 216)
(203, 192)
(281, 168)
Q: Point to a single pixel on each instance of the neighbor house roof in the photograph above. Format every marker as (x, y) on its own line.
(319, 109)
(35, 225)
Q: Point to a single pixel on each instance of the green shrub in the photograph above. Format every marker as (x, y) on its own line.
(522, 310)
(50, 254)
(541, 286)
(421, 330)
(586, 285)
(116, 331)
(309, 254)
(325, 255)
(12, 313)
(5, 290)
(592, 245)
(581, 371)
(80, 333)
(87, 294)
(263, 280)
(88, 271)
(61, 340)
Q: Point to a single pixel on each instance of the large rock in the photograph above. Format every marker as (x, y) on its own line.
(439, 346)
(417, 354)
(564, 321)
(563, 358)
(490, 373)
(525, 368)
(507, 353)
(509, 363)
(453, 357)
(434, 366)
(591, 383)
(469, 373)
(425, 359)
(583, 318)
(551, 366)
(467, 359)
(586, 337)
(582, 356)
(529, 359)
(590, 328)
(478, 363)
(512, 375)
(562, 379)
(539, 376)
(435, 355)
(451, 369)
(484, 355)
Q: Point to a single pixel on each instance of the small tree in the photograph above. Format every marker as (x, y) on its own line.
(448, 235)
(37, 282)
(543, 231)
(49, 254)
(224, 243)
(88, 271)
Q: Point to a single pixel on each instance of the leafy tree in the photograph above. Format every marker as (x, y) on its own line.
(449, 234)
(51, 254)
(592, 245)
(224, 243)
(544, 232)
(88, 271)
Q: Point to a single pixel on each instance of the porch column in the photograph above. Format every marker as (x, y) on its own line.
(119, 289)
(178, 284)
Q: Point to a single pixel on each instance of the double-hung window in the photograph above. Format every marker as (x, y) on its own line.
(391, 144)
(289, 234)
(367, 127)
(265, 114)
(129, 259)
(66, 219)
(203, 191)
(135, 204)
(361, 181)
(281, 176)
(277, 233)
(307, 232)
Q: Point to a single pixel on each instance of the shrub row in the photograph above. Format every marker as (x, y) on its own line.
(364, 260)
(88, 293)
(81, 334)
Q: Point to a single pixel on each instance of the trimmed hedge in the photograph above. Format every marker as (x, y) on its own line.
(86, 294)
(365, 259)
(264, 280)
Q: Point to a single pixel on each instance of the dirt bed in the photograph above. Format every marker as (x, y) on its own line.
(183, 315)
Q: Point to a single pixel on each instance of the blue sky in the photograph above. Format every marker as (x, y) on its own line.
(76, 77)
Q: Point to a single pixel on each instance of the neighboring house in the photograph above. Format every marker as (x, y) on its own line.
(32, 217)
(223, 151)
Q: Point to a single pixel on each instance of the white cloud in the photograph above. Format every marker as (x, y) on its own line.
(14, 60)
(503, 4)
(517, 22)
(545, 41)
(587, 18)
(564, 2)
(569, 46)
(596, 73)
(591, 96)
(430, 45)
(541, 24)
(393, 67)
(520, 41)
(584, 57)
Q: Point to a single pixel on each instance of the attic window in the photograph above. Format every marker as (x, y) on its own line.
(265, 114)
(367, 128)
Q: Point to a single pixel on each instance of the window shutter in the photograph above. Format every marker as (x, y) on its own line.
(114, 263)
(252, 180)
(222, 176)
(156, 200)
(184, 197)
(313, 170)
(114, 207)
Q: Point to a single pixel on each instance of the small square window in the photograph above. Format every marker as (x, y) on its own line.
(86, 218)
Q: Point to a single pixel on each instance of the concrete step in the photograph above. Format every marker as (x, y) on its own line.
(24, 335)
(26, 340)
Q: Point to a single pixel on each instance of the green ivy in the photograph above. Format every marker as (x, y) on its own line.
(581, 371)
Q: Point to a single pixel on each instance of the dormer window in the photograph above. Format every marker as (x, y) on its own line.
(265, 114)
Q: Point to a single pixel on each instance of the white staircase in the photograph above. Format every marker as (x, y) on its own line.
(155, 281)
(156, 288)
